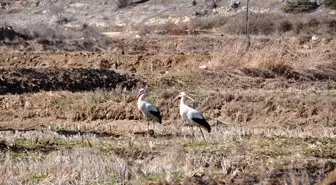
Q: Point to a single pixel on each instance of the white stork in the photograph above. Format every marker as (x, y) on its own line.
(149, 111)
(192, 116)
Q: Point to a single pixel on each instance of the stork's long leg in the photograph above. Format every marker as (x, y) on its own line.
(192, 131)
(181, 126)
(153, 125)
(202, 133)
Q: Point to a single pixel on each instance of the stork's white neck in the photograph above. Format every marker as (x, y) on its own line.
(141, 101)
(182, 100)
(141, 97)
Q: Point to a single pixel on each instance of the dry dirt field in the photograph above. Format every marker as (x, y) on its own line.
(68, 106)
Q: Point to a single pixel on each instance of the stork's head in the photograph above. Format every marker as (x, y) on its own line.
(182, 95)
(141, 92)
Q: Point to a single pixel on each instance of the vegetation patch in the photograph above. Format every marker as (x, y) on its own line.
(154, 178)
(299, 6)
(330, 4)
(131, 152)
(196, 144)
(38, 178)
(115, 181)
(177, 176)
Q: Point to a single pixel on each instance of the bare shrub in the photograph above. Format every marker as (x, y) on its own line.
(330, 4)
(285, 26)
(332, 25)
(299, 6)
(268, 24)
(235, 24)
(196, 23)
(8, 33)
(313, 25)
(51, 33)
(60, 37)
(58, 11)
(145, 29)
(259, 24)
(207, 23)
(298, 27)
(122, 3)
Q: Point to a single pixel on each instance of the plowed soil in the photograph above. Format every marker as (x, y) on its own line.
(25, 80)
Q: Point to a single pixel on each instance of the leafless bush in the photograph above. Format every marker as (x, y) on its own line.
(269, 24)
(58, 11)
(67, 38)
(52, 33)
(299, 6)
(207, 23)
(258, 24)
(285, 26)
(122, 3)
(330, 4)
(261, 24)
(313, 25)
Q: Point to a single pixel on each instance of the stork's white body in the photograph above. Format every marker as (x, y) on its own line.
(189, 114)
(148, 110)
(192, 116)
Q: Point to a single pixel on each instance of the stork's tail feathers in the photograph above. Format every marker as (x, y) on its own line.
(207, 127)
(157, 116)
(202, 123)
(160, 120)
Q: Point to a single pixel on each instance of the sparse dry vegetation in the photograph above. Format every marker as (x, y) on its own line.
(274, 24)
(299, 6)
(330, 4)
(260, 24)
(68, 96)
(122, 3)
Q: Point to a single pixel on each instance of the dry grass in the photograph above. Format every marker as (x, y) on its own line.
(232, 101)
(259, 24)
(252, 139)
(299, 6)
(271, 109)
(264, 129)
(140, 160)
(278, 24)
